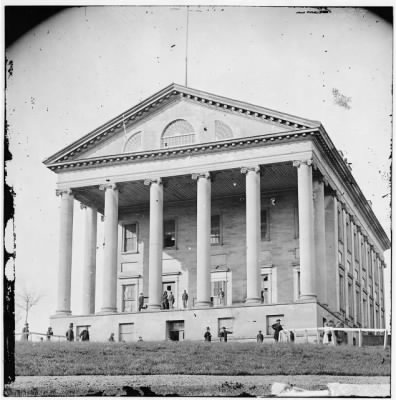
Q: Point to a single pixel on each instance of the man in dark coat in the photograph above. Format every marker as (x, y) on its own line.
(70, 333)
(224, 334)
(277, 327)
(260, 337)
(141, 301)
(84, 335)
(185, 298)
(208, 335)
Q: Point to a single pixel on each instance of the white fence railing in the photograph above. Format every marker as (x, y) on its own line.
(38, 337)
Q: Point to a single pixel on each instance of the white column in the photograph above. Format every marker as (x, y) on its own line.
(320, 244)
(89, 263)
(203, 238)
(109, 293)
(65, 252)
(253, 216)
(305, 213)
(155, 242)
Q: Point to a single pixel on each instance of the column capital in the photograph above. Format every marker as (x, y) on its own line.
(109, 185)
(245, 170)
(149, 181)
(83, 206)
(64, 192)
(197, 175)
(298, 163)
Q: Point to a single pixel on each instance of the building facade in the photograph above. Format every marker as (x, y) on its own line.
(251, 212)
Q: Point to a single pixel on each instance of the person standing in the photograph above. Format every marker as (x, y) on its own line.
(260, 337)
(222, 295)
(84, 335)
(25, 333)
(171, 300)
(141, 301)
(70, 333)
(165, 301)
(277, 327)
(208, 335)
(327, 335)
(111, 338)
(224, 334)
(50, 333)
(185, 298)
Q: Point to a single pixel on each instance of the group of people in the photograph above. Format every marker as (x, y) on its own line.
(83, 336)
(167, 300)
(223, 334)
(340, 336)
(26, 333)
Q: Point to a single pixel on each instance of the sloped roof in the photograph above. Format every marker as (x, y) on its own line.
(165, 96)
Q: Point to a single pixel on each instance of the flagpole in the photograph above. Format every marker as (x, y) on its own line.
(186, 47)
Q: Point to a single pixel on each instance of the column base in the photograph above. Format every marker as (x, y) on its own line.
(61, 313)
(107, 310)
(203, 304)
(253, 300)
(154, 307)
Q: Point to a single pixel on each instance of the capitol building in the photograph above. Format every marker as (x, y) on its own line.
(245, 214)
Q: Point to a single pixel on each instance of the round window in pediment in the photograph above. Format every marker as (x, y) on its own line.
(134, 143)
(178, 133)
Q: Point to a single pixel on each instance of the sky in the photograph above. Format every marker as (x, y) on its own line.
(85, 65)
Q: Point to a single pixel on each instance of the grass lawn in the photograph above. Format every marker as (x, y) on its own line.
(198, 359)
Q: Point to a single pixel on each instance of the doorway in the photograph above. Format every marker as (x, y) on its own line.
(168, 287)
(175, 330)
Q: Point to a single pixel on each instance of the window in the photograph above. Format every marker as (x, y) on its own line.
(364, 318)
(357, 273)
(219, 293)
(342, 292)
(215, 230)
(130, 238)
(358, 306)
(271, 320)
(363, 260)
(340, 258)
(340, 226)
(356, 245)
(376, 271)
(178, 133)
(370, 263)
(128, 298)
(134, 143)
(222, 131)
(350, 300)
(175, 330)
(126, 332)
(265, 225)
(170, 233)
(349, 269)
(349, 235)
(371, 314)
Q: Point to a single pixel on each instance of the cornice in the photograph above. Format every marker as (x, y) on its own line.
(209, 147)
(171, 93)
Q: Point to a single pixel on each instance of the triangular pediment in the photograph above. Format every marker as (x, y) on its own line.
(178, 116)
